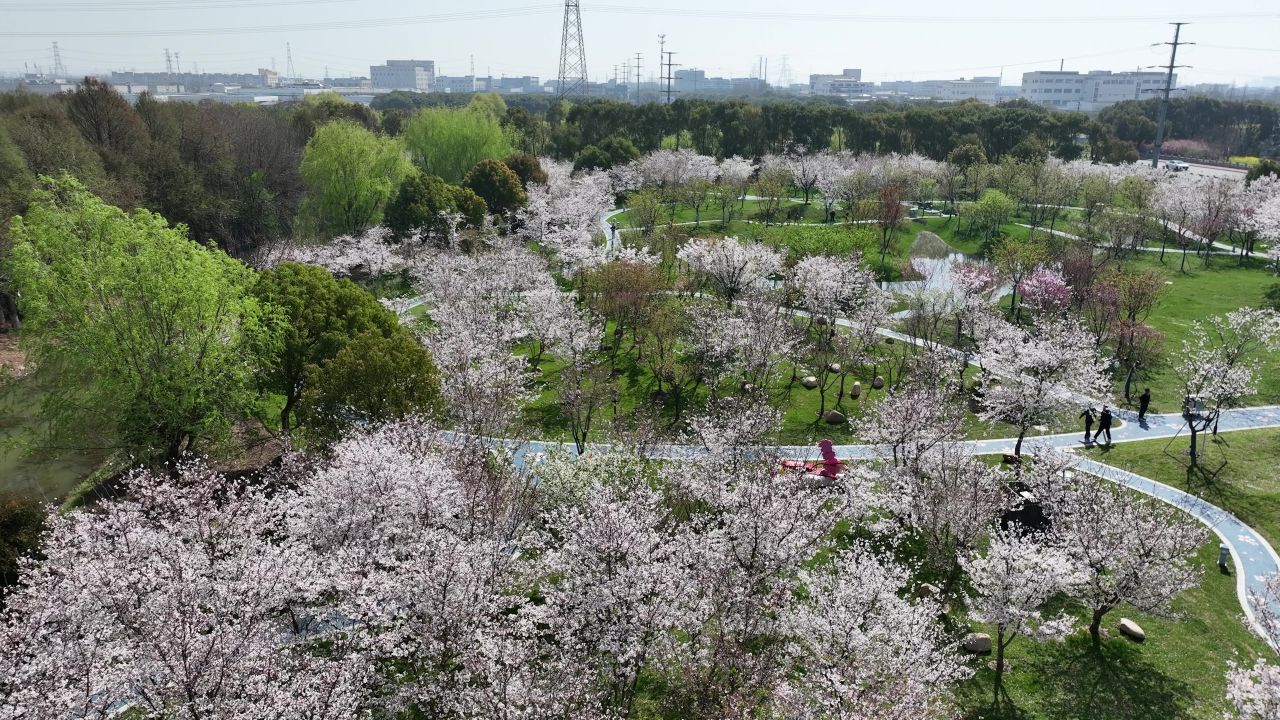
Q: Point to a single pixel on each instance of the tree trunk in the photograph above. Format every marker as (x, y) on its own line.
(1095, 625)
(1017, 448)
(1000, 643)
(1128, 380)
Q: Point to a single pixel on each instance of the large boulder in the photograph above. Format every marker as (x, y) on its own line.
(835, 417)
(834, 367)
(809, 381)
(925, 590)
(976, 643)
(856, 391)
(1131, 630)
(878, 383)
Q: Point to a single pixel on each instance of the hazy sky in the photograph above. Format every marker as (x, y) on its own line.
(1238, 40)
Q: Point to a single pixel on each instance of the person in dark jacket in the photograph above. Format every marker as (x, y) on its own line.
(1144, 402)
(1088, 422)
(1104, 424)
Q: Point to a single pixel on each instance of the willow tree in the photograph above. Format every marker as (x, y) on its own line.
(449, 142)
(351, 174)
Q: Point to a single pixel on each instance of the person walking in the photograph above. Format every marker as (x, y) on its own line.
(1104, 425)
(1088, 422)
(1144, 402)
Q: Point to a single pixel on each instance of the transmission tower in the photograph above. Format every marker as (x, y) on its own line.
(288, 53)
(168, 62)
(58, 69)
(177, 61)
(1168, 87)
(573, 59)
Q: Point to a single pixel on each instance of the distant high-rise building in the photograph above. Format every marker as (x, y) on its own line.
(403, 75)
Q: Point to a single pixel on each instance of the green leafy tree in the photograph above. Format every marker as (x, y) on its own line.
(448, 142)
(620, 150)
(139, 335)
(1266, 166)
(351, 174)
(374, 378)
(496, 185)
(470, 206)
(490, 103)
(527, 168)
(418, 205)
(321, 317)
(592, 158)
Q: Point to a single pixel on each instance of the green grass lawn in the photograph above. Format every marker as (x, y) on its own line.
(1199, 294)
(1238, 471)
(1179, 672)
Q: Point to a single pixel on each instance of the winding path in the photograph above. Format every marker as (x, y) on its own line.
(1254, 558)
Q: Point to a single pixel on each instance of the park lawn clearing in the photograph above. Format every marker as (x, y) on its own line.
(1178, 673)
(1238, 471)
(1199, 294)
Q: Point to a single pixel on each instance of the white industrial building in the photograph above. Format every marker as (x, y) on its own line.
(403, 75)
(848, 83)
(1089, 92)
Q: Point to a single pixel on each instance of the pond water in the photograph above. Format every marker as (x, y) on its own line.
(938, 275)
(43, 474)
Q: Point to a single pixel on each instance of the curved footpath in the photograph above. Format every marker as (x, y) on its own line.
(1254, 558)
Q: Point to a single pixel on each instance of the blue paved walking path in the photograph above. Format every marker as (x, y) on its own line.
(1254, 558)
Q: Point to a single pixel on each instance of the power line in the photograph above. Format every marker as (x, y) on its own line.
(301, 27)
(131, 6)
(738, 14)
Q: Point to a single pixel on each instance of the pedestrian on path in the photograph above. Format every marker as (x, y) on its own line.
(1104, 424)
(1144, 402)
(1088, 422)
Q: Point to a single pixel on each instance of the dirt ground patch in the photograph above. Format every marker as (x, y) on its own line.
(11, 357)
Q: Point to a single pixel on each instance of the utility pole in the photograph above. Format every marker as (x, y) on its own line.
(1168, 87)
(638, 56)
(669, 75)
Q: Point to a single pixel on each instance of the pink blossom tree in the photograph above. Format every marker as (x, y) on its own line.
(1130, 549)
(731, 268)
(1219, 363)
(1045, 291)
(1011, 582)
(1030, 376)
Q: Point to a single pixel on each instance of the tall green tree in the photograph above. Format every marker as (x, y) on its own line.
(351, 174)
(448, 143)
(375, 378)
(496, 185)
(321, 317)
(141, 337)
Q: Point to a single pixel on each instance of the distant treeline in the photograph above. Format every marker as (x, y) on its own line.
(754, 127)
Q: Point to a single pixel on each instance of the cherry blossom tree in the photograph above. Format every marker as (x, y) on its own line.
(845, 309)
(731, 268)
(1045, 290)
(1131, 549)
(919, 413)
(1029, 376)
(862, 651)
(733, 179)
(1254, 691)
(1218, 364)
(950, 499)
(184, 599)
(1011, 582)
